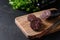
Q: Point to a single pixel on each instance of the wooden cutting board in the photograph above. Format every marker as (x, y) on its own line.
(24, 24)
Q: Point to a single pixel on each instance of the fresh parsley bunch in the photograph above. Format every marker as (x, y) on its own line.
(31, 5)
(25, 5)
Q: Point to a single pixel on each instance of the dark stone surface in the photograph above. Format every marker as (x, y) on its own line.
(8, 28)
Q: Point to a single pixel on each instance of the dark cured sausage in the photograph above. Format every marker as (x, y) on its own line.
(47, 14)
(35, 23)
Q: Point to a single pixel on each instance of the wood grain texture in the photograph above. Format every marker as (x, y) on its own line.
(24, 24)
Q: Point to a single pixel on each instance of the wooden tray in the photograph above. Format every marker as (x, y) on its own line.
(24, 24)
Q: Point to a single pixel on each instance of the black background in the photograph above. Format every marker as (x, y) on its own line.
(8, 28)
